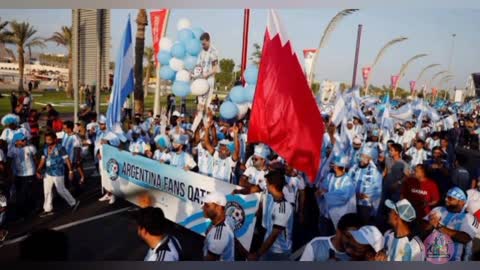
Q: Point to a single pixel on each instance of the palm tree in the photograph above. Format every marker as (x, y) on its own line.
(23, 36)
(64, 38)
(4, 33)
(149, 54)
(142, 22)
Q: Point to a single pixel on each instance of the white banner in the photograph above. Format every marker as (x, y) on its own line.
(179, 193)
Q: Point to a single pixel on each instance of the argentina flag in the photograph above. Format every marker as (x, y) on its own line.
(123, 81)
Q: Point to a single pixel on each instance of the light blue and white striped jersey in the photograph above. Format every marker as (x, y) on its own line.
(70, 142)
(463, 222)
(418, 156)
(207, 58)
(157, 130)
(23, 160)
(7, 135)
(368, 181)
(205, 161)
(281, 215)
(339, 198)
(98, 139)
(321, 249)
(354, 156)
(256, 177)
(403, 249)
(220, 241)
(431, 143)
(162, 156)
(182, 160)
(223, 168)
(138, 147)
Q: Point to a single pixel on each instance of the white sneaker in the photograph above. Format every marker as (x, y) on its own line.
(105, 197)
(112, 199)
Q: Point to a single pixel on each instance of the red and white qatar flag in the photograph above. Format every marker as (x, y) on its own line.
(284, 114)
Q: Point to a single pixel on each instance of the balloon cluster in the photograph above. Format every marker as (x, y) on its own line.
(241, 97)
(179, 60)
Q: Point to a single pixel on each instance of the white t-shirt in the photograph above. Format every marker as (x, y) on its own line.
(256, 177)
(162, 156)
(23, 160)
(220, 241)
(223, 168)
(205, 161)
(418, 156)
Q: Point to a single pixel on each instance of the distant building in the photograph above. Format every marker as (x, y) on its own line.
(91, 46)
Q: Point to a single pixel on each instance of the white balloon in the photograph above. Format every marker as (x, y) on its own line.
(199, 87)
(166, 44)
(242, 110)
(183, 76)
(183, 23)
(176, 64)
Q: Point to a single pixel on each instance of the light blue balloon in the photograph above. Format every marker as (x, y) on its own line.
(251, 75)
(197, 32)
(249, 92)
(193, 46)
(185, 35)
(167, 73)
(228, 110)
(181, 89)
(178, 50)
(189, 62)
(236, 95)
(164, 57)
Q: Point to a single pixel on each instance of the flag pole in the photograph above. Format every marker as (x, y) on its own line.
(246, 27)
(357, 52)
(158, 93)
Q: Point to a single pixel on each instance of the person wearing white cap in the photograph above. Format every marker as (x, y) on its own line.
(101, 138)
(354, 153)
(368, 183)
(162, 153)
(335, 196)
(453, 221)
(23, 168)
(225, 158)
(219, 242)
(255, 175)
(277, 245)
(366, 244)
(180, 158)
(350, 130)
(332, 248)
(400, 242)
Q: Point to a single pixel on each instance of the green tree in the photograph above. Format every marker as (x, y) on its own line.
(64, 38)
(257, 54)
(4, 33)
(226, 77)
(23, 36)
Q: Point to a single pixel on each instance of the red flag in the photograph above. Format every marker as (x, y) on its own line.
(285, 115)
(394, 81)
(159, 26)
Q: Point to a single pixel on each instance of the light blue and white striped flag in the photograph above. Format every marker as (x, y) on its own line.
(123, 81)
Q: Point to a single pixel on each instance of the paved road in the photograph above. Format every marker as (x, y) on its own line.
(97, 230)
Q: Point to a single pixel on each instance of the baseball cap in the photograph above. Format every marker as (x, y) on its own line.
(19, 136)
(457, 193)
(403, 208)
(369, 235)
(261, 150)
(102, 119)
(216, 198)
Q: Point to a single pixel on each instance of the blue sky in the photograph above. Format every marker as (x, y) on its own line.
(429, 31)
